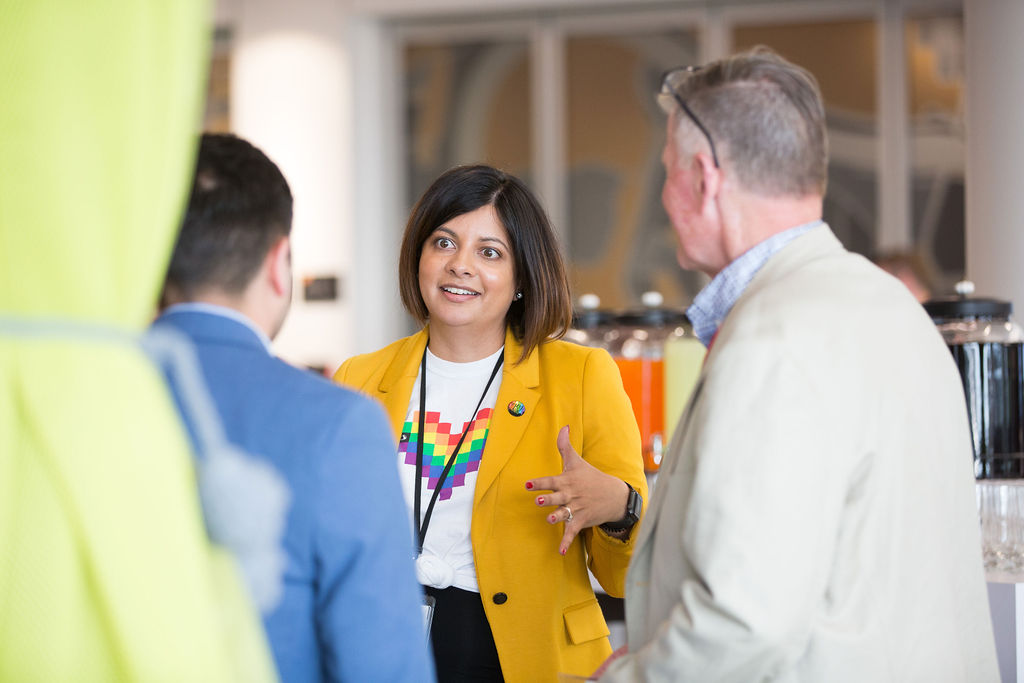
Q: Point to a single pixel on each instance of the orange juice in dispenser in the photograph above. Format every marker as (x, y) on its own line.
(638, 346)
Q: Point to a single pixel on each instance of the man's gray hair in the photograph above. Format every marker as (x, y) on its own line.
(767, 120)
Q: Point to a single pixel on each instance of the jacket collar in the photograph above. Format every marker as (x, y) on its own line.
(519, 384)
(212, 326)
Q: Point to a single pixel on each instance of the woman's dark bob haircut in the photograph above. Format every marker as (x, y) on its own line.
(545, 310)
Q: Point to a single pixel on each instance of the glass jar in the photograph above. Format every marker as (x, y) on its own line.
(1001, 512)
(637, 343)
(590, 324)
(987, 347)
(684, 358)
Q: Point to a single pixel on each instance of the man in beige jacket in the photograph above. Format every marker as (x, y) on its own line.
(814, 518)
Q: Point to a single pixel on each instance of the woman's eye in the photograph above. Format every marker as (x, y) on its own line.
(490, 252)
(444, 243)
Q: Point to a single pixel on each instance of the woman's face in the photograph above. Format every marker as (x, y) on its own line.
(467, 274)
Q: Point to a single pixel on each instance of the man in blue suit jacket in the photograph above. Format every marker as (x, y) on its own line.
(351, 606)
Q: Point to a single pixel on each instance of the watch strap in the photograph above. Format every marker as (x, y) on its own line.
(634, 503)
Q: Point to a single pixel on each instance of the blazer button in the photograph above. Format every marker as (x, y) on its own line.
(500, 598)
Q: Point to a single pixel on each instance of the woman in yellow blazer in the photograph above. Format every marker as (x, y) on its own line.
(559, 487)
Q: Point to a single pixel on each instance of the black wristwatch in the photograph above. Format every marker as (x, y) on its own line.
(634, 504)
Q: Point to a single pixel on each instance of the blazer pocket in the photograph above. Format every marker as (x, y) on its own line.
(585, 622)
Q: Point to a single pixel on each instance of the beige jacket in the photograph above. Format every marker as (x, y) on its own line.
(814, 519)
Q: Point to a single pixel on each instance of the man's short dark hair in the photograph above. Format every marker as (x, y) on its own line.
(239, 207)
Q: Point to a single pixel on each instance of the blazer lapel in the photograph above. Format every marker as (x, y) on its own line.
(518, 383)
(396, 384)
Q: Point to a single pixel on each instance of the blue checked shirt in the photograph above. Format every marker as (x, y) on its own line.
(714, 302)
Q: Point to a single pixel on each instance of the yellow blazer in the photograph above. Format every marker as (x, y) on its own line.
(540, 605)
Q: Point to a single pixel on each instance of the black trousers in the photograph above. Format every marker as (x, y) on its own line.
(464, 648)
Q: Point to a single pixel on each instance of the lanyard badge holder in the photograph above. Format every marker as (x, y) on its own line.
(428, 614)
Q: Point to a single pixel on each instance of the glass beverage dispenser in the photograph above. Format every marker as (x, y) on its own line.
(637, 343)
(987, 347)
(684, 358)
(590, 324)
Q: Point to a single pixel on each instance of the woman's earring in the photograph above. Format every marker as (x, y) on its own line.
(519, 295)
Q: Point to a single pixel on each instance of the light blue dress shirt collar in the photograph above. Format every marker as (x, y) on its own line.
(714, 302)
(224, 312)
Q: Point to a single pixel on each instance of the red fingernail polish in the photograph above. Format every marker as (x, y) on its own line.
(540, 500)
(551, 518)
(562, 551)
(529, 484)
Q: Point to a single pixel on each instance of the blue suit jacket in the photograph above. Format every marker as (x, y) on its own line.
(351, 604)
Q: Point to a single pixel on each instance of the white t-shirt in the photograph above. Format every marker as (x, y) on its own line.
(453, 390)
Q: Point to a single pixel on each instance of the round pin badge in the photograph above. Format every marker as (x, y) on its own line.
(516, 408)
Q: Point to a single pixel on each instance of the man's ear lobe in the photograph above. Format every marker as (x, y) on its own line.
(710, 174)
(279, 262)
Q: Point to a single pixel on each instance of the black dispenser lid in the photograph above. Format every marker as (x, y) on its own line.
(964, 308)
(589, 319)
(956, 307)
(652, 317)
(588, 313)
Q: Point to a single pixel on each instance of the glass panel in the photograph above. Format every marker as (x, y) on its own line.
(842, 56)
(466, 103)
(620, 240)
(935, 79)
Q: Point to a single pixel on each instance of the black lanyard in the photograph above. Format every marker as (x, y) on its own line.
(422, 528)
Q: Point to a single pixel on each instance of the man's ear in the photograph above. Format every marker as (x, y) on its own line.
(710, 178)
(279, 263)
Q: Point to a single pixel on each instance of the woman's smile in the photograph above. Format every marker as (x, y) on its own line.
(454, 292)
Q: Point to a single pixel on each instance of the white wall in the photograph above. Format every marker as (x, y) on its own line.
(995, 148)
(994, 237)
(291, 96)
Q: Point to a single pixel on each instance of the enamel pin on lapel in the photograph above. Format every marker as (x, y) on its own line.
(516, 408)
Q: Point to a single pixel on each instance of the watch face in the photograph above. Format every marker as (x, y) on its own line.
(634, 504)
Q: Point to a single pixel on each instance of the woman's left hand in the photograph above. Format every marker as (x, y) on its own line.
(582, 495)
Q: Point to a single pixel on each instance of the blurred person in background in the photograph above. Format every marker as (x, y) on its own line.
(910, 268)
(814, 518)
(484, 399)
(350, 608)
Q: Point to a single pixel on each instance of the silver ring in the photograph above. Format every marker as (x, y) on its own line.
(569, 518)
